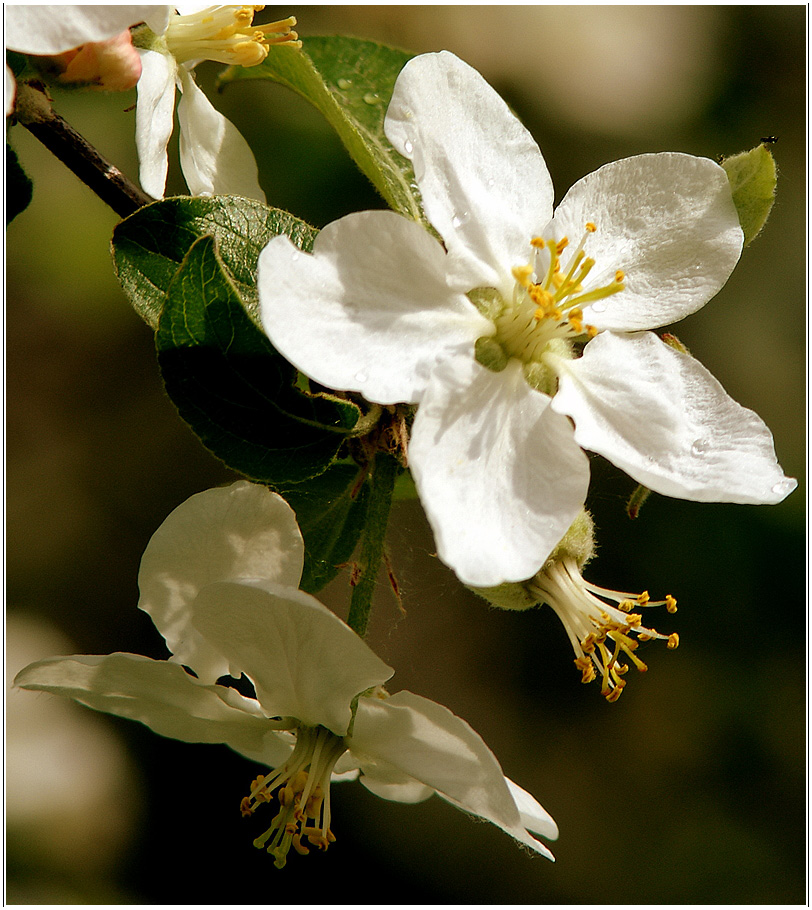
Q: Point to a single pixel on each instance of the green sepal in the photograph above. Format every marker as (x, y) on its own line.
(19, 188)
(752, 177)
(331, 510)
(149, 246)
(350, 81)
(231, 386)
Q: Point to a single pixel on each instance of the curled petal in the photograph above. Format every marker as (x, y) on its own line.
(161, 695)
(668, 222)
(428, 743)
(303, 660)
(242, 531)
(659, 415)
(498, 472)
(370, 310)
(154, 119)
(46, 30)
(483, 180)
(214, 157)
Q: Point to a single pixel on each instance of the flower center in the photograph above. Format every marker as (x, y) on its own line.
(303, 793)
(226, 34)
(600, 634)
(547, 303)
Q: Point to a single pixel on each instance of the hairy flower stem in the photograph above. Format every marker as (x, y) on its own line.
(33, 110)
(385, 470)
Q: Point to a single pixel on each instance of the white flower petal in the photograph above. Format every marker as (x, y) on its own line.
(659, 415)
(430, 744)
(498, 473)
(47, 30)
(214, 156)
(303, 660)
(161, 695)
(9, 90)
(534, 816)
(369, 311)
(154, 119)
(668, 222)
(389, 783)
(484, 184)
(242, 531)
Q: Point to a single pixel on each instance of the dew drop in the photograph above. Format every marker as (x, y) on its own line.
(699, 446)
(460, 219)
(361, 377)
(783, 486)
(294, 257)
(598, 307)
(491, 181)
(344, 83)
(408, 147)
(371, 98)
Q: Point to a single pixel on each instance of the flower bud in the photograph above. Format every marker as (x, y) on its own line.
(111, 66)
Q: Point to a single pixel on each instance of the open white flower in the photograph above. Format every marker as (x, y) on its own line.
(482, 331)
(220, 580)
(46, 31)
(214, 156)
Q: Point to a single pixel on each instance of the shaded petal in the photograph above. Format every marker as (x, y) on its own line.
(303, 660)
(370, 310)
(162, 696)
(47, 30)
(9, 90)
(668, 222)
(498, 472)
(224, 534)
(533, 815)
(484, 184)
(388, 782)
(154, 119)
(427, 742)
(214, 157)
(659, 415)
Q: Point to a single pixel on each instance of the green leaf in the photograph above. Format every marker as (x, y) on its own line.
(752, 179)
(351, 82)
(19, 188)
(149, 246)
(233, 388)
(331, 510)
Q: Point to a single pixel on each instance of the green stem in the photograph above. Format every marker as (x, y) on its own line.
(385, 470)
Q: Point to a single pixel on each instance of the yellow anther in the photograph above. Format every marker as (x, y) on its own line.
(620, 276)
(643, 598)
(625, 605)
(591, 227)
(562, 244)
(522, 274)
(538, 242)
(673, 641)
(671, 603)
(245, 807)
(585, 665)
(591, 331)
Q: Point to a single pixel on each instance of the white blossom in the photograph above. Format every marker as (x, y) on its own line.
(214, 156)
(220, 580)
(485, 330)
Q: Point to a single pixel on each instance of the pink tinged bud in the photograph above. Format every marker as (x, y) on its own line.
(111, 66)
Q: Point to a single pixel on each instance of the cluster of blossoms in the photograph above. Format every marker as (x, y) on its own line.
(523, 334)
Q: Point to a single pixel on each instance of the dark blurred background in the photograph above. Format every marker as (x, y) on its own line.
(690, 789)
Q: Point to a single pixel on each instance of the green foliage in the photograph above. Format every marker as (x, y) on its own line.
(350, 81)
(19, 188)
(331, 510)
(752, 179)
(233, 388)
(149, 246)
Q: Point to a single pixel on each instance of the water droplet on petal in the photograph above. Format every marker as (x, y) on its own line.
(371, 98)
(460, 219)
(783, 486)
(598, 307)
(699, 446)
(491, 181)
(361, 377)
(344, 83)
(294, 257)
(408, 147)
